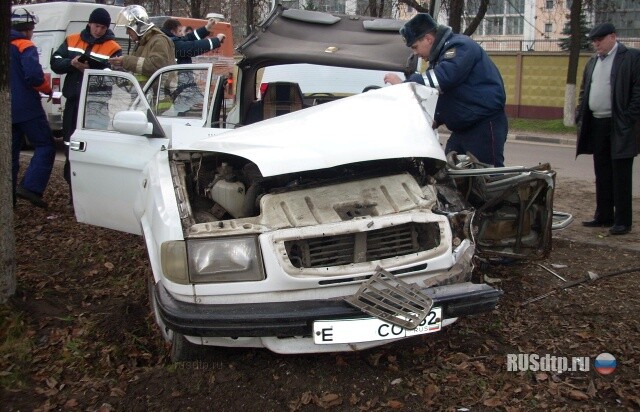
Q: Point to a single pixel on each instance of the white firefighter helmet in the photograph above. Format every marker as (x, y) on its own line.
(22, 19)
(136, 18)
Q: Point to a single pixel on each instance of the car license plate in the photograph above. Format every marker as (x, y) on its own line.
(327, 332)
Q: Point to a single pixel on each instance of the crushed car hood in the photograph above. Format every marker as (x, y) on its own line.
(388, 123)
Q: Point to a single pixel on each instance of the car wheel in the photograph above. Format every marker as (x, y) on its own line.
(181, 348)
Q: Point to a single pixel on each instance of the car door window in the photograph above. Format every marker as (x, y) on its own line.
(179, 93)
(107, 95)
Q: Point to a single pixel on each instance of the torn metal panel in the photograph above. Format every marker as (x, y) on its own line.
(392, 300)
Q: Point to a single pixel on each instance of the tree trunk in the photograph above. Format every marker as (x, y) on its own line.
(475, 22)
(572, 70)
(196, 9)
(7, 237)
(455, 15)
(249, 16)
(381, 9)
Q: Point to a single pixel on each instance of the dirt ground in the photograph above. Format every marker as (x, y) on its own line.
(79, 335)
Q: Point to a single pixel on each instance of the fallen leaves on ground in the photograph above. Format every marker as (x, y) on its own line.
(86, 339)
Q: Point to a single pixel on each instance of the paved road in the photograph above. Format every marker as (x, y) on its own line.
(562, 159)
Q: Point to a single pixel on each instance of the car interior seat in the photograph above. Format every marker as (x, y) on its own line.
(281, 98)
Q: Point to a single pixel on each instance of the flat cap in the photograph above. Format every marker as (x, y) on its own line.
(418, 26)
(601, 30)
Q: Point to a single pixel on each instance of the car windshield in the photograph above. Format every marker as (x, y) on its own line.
(316, 79)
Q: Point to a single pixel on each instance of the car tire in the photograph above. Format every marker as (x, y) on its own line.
(181, 349)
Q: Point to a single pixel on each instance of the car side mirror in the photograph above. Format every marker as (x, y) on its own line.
(132, 122)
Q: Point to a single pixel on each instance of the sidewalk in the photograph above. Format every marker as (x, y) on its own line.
(567, 139)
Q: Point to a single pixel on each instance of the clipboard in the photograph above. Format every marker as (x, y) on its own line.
(93, 62)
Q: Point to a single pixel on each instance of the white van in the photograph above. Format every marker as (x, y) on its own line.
(57, 20)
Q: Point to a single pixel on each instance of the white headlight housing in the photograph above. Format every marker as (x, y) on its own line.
(229, 259)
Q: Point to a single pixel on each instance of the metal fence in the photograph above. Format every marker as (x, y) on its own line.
(540, 45)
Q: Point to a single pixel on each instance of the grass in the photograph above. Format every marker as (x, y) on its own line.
(555, 126)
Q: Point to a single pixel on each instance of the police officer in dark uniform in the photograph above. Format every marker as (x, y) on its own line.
(472, 96)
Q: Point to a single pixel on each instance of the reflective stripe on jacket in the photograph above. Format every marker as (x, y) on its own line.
(75, 45)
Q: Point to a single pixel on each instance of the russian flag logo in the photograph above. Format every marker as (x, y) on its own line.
(605, 363)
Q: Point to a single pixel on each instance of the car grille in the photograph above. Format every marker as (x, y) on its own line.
(327, 251)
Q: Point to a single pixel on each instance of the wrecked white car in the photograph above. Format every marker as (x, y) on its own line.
(336, 226)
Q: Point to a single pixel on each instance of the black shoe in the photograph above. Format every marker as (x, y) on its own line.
(32, 197)
(619, 229)
(597, 223)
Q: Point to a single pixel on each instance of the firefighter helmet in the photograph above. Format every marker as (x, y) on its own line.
(135, 18)
(23, 19)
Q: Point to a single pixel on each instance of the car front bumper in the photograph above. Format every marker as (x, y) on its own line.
(283, 319)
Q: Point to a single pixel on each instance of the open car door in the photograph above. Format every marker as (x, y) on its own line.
(117, 135)
(121, 128)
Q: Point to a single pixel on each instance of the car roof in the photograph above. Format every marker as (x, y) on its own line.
(304, 36)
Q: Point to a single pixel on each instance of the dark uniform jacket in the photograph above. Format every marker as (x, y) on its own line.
(75, 45)
(625, 105)
(193, 44)
(471, 87)
(27, 79)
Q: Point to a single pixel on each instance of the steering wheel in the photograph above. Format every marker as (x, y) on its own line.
(371, 87)
(321, 94)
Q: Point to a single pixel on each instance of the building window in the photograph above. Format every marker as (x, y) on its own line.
(493, 25)
(515, 25)
(503, 17)
(496, 7)
(332, 6)
(548, 27)
(471, 7)
(515, 6)
(549, 4)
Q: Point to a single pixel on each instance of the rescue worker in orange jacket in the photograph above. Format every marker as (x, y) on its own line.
(96, 41)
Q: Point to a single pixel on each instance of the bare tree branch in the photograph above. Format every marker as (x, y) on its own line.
(473, 24)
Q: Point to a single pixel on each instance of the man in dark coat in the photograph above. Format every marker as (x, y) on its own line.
(194, 43)
(472, 96)
(97, 42)
(28, 118)
(608, 116)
